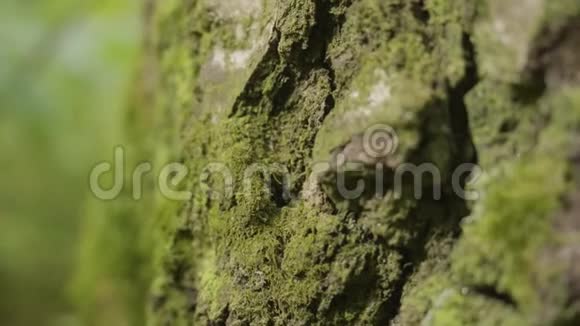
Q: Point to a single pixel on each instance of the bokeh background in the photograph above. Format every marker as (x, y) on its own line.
(65, 70)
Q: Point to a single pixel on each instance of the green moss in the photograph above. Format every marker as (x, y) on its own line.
(501, 127)
(510, 35)
(497, 248)
(256, 255)
(286, 86)
(454, 308)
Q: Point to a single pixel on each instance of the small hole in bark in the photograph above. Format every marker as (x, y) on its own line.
(493, 293)
(419, 11)
(280, 192)
(508, 126)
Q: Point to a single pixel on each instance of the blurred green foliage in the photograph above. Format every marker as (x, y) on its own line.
(65, 70)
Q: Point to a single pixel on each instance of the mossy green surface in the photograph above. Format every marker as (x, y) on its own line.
(283, 84)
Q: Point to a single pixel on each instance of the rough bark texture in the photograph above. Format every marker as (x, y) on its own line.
(286, 83)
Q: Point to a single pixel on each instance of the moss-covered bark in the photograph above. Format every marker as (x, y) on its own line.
(287, 83)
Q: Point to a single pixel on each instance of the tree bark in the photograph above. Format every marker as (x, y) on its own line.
(487, 87)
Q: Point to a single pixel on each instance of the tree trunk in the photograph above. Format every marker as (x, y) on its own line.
(291, 98)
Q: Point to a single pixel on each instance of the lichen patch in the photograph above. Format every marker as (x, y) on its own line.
(235, 9)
